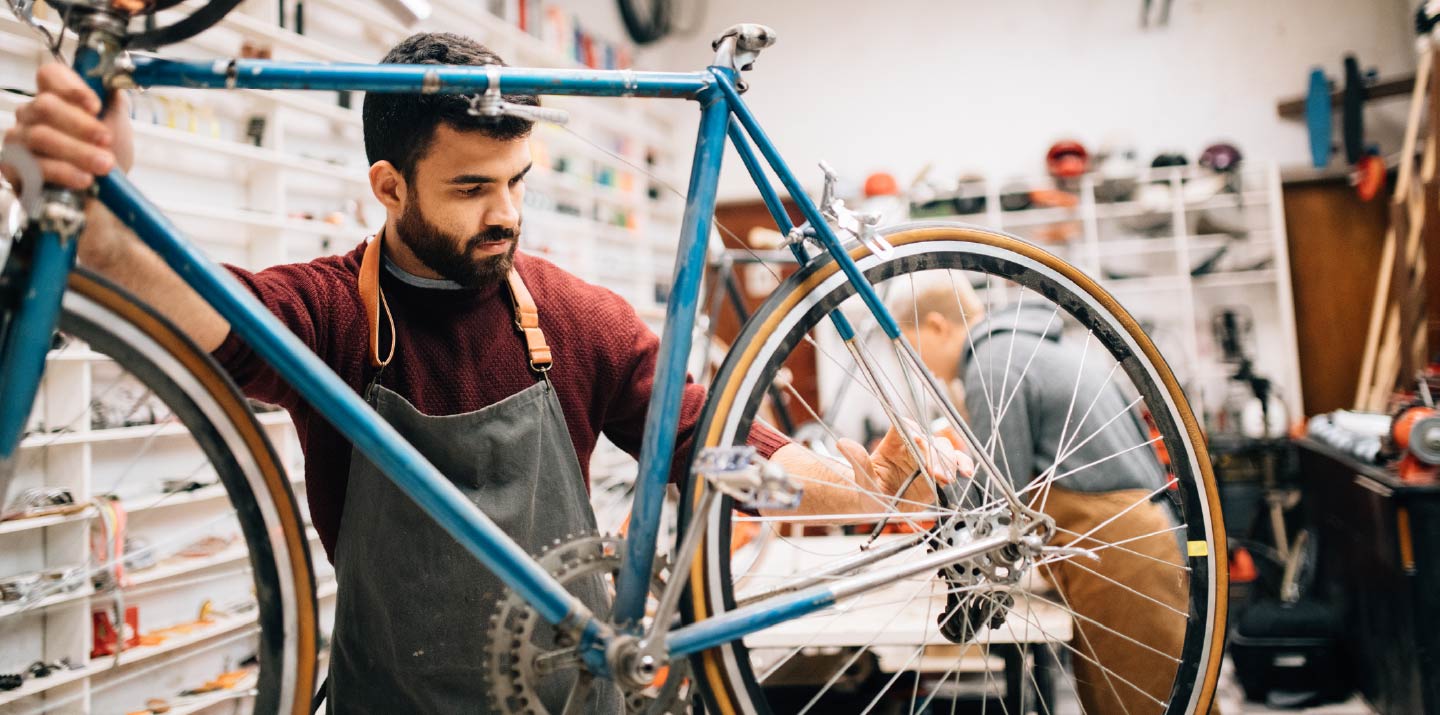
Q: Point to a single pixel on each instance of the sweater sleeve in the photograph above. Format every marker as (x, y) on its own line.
(303, 297)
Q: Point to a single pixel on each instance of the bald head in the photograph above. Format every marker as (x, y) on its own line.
(936, 316)
(945, 293)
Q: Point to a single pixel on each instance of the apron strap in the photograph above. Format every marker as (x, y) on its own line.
(374, 299)
(527, 321)
(527, 316)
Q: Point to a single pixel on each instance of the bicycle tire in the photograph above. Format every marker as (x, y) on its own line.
(803, 301)
(208, 404)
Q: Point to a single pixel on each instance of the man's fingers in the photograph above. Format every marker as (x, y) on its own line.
(61, 80)
(48, 142)
(64, 174)
(49, 109)
(859, 460)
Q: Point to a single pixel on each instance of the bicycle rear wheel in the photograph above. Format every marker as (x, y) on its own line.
(158, 425)
(1131, 620)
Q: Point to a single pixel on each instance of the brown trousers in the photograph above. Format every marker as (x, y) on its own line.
(1122, 633)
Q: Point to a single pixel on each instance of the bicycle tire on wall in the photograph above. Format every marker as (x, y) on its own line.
(729, 683)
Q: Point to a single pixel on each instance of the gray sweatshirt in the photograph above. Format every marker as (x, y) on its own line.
(1030, 430)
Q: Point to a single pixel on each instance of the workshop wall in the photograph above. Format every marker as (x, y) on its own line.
(1004, 80)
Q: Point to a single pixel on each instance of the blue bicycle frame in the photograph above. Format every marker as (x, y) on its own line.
(722, 113)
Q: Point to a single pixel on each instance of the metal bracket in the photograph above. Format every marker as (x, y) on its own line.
(492, 105)
(740, 473)
(859, 224)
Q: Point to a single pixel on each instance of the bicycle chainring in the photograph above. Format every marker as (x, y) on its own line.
(523, 649)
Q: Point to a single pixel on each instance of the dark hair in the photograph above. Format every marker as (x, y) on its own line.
(400, 127)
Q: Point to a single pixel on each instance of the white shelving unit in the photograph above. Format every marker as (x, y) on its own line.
(1146, 254)
(259, 178)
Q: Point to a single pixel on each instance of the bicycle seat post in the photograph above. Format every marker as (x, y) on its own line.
(739, 45)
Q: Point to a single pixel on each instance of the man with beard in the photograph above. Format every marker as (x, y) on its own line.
(422, 320)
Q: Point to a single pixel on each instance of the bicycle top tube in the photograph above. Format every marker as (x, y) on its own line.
(424, 79)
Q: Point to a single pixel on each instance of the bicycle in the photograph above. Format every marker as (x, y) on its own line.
(716, 606)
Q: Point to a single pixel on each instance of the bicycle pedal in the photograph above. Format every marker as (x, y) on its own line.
(754, 483)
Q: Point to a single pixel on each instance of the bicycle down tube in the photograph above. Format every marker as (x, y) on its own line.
(412, 473)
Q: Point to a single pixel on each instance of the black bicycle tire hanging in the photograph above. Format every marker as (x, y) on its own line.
(646, 27)
(193, 24)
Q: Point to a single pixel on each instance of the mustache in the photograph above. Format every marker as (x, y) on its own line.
(491, 235)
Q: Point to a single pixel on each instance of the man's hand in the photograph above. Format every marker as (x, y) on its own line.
(72, 145)
(60, 128)
(887, 469)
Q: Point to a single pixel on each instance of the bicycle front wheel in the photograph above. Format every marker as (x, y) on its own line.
(181, 531)
(1127, 615)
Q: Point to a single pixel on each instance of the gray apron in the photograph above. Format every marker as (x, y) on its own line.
(414, 606)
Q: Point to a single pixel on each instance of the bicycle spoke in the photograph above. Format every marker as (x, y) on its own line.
(1114, 545)
(858, 653)
(1087, 619)
(1097, 664)
(1081, 565)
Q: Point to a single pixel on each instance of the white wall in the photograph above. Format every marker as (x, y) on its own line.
(987, 86)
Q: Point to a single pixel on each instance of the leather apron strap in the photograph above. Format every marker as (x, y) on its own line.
(527, 315)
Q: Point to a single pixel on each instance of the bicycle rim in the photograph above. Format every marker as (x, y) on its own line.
(791, 316)
(248, 556)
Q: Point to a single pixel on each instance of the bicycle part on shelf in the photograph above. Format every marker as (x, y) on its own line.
(18, 587)
(492, 105)
(861, 225)
(522, 648)
(41, 501)
(1317, 118)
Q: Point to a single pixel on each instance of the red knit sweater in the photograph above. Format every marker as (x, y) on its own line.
(457, 351)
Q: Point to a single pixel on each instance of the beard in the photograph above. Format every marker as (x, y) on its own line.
(452, 257)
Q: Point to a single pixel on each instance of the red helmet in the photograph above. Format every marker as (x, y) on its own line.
(1067, 159)
(880, 184)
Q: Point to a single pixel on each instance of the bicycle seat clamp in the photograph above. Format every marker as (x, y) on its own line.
(739, 45)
